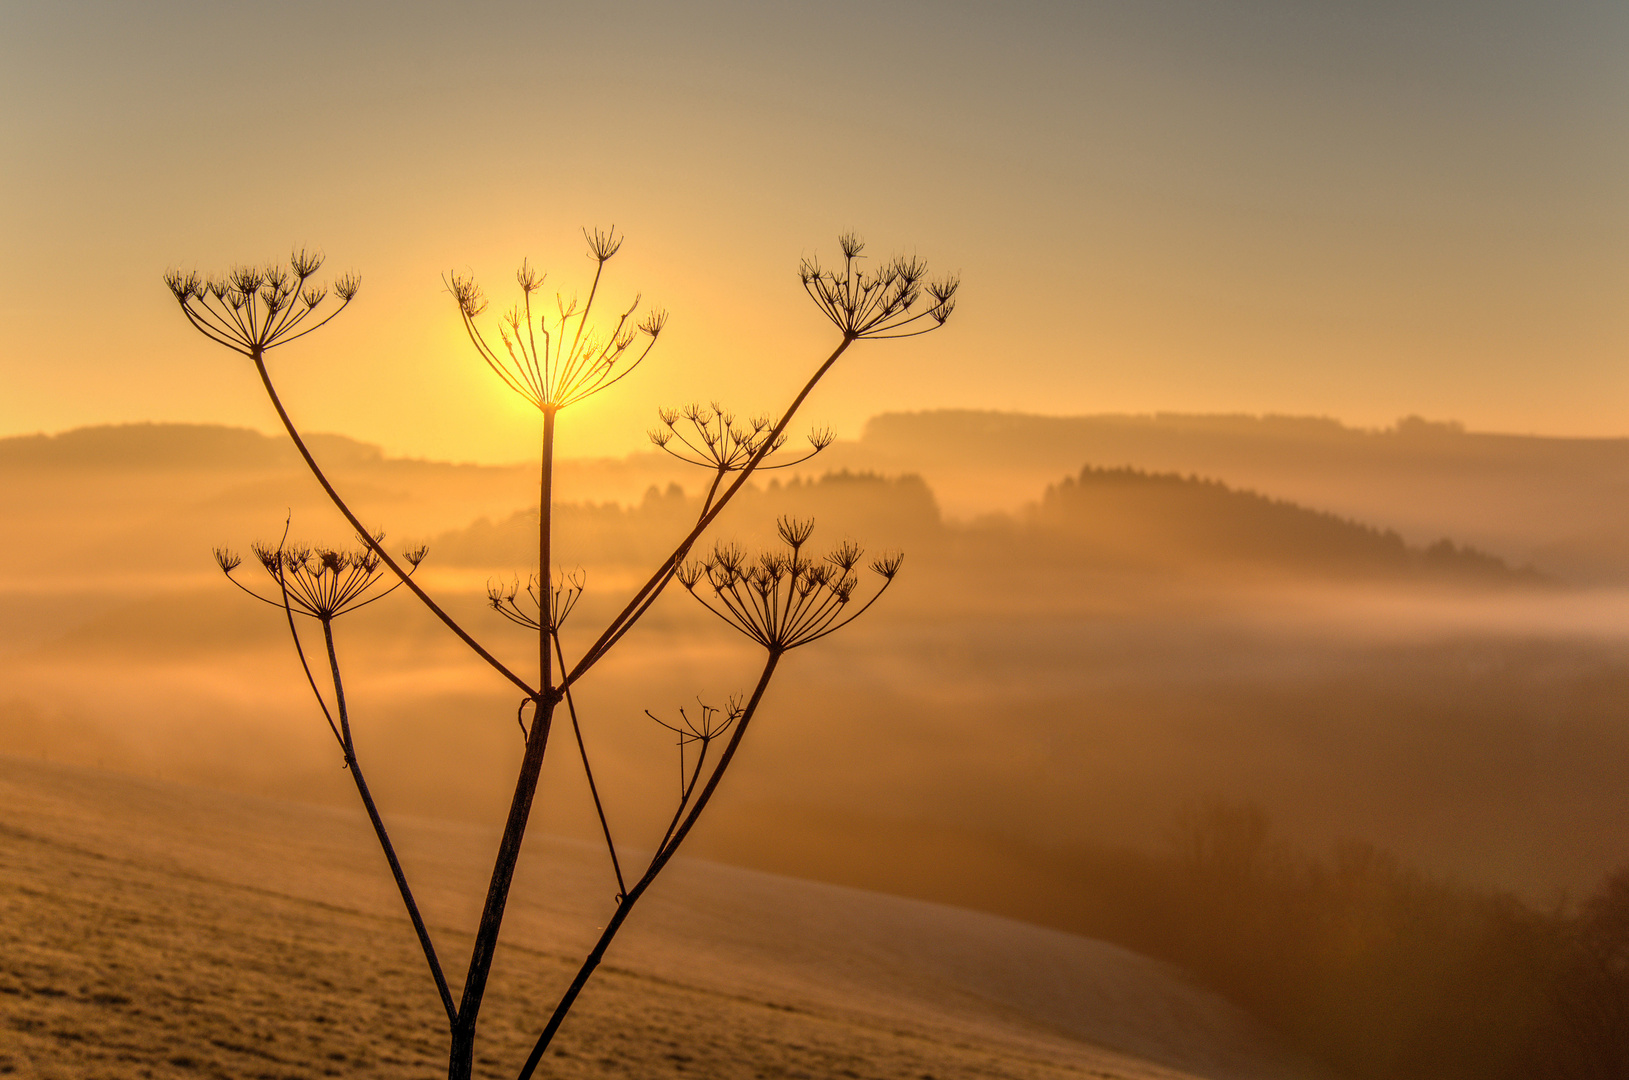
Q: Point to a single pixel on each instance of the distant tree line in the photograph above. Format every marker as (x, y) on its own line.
(1128, 510)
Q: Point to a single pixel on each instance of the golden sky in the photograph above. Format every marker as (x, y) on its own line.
(1357, 210)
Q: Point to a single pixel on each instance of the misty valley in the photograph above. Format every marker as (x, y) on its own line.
(1092, 683)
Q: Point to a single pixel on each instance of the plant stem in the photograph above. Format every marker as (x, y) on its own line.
(367, 537)
(657, 863)
(497, 894)
(588, 771)
(462, 1052)
(379, 829)
(545, 579)
(664, 574)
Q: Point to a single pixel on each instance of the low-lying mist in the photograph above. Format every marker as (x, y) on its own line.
(1020, 725)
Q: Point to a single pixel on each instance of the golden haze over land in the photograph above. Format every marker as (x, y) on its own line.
(1192, 627)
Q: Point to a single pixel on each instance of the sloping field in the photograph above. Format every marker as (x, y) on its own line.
(154, 930)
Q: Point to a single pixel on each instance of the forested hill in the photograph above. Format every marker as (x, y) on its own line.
(183, 488)
(1119, 514)
(1559, 503)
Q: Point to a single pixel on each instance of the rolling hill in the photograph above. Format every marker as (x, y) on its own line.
(159, 930)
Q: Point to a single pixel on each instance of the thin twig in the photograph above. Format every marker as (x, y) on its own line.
(367, 537)
(593, 789)
(355, 768)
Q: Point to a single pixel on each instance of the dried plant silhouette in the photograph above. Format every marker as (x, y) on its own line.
(553, 353)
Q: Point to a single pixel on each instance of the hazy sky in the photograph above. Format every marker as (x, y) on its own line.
(1359, 210)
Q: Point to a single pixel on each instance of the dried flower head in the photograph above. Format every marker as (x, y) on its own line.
(563, 595)
(715, 439)
(783, 599)
(883, 303)
(323, 583)
(603, 245)
(795, 531)
(253, 308)
(888, 563)
(556, 360)
(707, 724)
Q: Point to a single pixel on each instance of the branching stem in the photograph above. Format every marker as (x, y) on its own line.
(658, 861)
(368, 538)
(497, 895)
(658, 581)
(520, 807)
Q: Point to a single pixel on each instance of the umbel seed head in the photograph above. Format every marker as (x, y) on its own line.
(712, 439)
(556, 360)
(782, 599)
(253, 308)
(603, 245)
(322, 583)
(795, 532)
(563, 595)
(883, 303)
